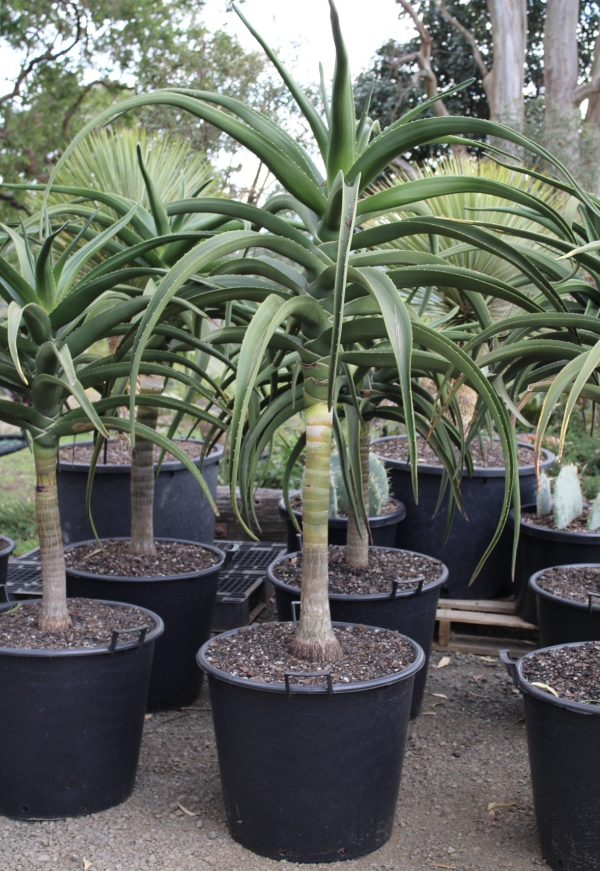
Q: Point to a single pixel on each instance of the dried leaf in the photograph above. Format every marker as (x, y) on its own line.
(544, 686)
(495, 805)
(86, 864)
(440, 695)
(186, 811)
(444, 661)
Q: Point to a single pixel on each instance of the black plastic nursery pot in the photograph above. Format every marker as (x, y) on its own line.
(71, 723)
(384, 528)
(185, 603)
(9, 444)
(310, 773)
(541, 548)
(563, 739)
(180, 508)
(562, 620)
(424, 528)
(411, 612)
(7, 546)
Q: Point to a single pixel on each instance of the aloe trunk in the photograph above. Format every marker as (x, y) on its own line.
(357, 543)
(142, 482)
(54, 616)
(314, 638)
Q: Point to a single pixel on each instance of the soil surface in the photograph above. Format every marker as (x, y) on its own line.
(113, 557)
(387, 566)
(568, 672)
(93, 626)
(546, 521)
(465, 799)
(117, 452)
(485, 454)
(574, 583)
(261, 654)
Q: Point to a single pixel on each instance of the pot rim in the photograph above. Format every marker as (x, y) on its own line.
(376, 520)
(80, 573)
(515, 669)
(215, 456)
(336, 689)
(554, 597)
(565, 535)
(52, 653)
(478, 471)
(363, 597)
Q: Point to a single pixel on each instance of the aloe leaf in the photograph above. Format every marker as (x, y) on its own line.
(13, 319)
(348, 213)
(284, 166)
(341, 151)
(79, 260)
(312, 116)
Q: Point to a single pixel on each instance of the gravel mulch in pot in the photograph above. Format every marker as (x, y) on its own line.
(114, 557)
(572, 672)
(571, 582)
(118, 452)
(546, 521)
(386, 565)
(260, 653)
(485, 454)
(93, 625)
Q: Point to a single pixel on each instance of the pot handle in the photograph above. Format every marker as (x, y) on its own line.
(114, 641)
(289, 675)
(230, 550)
(420, 580)
(295, 606)
(511, 666)
(591, 597)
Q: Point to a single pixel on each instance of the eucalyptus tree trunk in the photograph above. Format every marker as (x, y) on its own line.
(315, 639)
(142, 480)
(504, 84)
(591, 126)
(562, 118)
(54, 616)
(357, 543)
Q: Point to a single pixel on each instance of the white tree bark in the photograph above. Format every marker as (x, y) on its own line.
(590, 145)
(505, 83)
(562, 119)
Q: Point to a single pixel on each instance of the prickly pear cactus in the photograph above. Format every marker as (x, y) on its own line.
(544, 495)
(593, 521)
(379, 488)
(568, 500)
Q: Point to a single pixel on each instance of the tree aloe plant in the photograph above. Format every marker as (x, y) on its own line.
(52, 372)
(103, 180)
(320, 297)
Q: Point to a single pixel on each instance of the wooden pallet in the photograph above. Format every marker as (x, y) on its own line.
(499, 625)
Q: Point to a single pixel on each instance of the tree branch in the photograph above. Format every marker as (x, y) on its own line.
(47, 56)
(466, 35)
(13, 201)
(105, 83)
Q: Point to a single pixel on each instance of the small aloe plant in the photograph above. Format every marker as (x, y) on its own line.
(564, 500)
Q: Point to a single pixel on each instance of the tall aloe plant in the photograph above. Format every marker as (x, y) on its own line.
(105, 178)
(320, 297)
(57, 310)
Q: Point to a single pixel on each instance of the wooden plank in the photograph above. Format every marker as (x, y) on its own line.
(498, 606)
(484, 645)
(481, 618)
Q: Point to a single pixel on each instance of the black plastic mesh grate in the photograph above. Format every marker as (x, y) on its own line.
(243, 586)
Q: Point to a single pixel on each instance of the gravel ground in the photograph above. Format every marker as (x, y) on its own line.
(465, 799)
